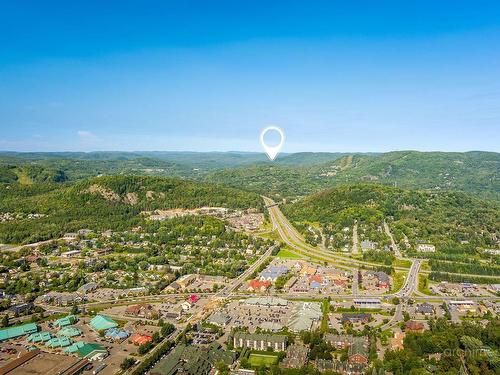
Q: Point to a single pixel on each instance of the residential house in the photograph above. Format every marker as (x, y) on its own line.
(338, 341)
(144, 310)
(358, 351)
(414, 326)
(356, 318)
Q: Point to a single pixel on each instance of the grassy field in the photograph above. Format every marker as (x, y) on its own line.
(398, 281)
(287, 254)
(325, 307)
(423, 285)
(402, 263)
(257, 360)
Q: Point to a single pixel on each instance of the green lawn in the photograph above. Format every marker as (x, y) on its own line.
(283, 253)
(398, 281)
(423, 285)
(402, 263)
(257, 360)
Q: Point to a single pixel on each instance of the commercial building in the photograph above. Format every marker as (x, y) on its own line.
(65, 321)
(219, 319)
(186, 280)
(266, 301)
(138, 339)
(39, 337)
(367, 303)
(258, 341)
(464, 306)
(116, 334)
(426, 248)
(102, 323)
(58, 342)
(355, 318)
(93, 352)
(18, 331)
(69, 332)
(304, 316)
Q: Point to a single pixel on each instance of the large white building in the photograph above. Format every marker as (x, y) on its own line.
(258, 341)
(426, 248)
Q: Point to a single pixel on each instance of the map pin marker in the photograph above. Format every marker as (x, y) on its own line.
(272, 151)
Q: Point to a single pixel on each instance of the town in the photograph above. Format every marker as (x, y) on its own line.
(287, 310)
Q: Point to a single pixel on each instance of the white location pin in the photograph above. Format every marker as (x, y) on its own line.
(272, 151)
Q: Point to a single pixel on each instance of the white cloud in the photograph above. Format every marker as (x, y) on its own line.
(85, 135)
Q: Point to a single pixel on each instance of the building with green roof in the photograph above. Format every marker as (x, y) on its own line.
(73, 348)
(58, 342)
(102, 323)
(69, 332)
(93, 351)
(39, 337)
(65, 321)
(13, 332)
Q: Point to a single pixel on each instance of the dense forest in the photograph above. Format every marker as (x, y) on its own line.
(456, 223)
(467, 344)
(112, 202)
(474, 172)
(290, 175)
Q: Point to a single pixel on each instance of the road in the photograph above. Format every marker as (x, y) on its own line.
(411, 282)
(355, 239)
(394, 246)
(297, 244)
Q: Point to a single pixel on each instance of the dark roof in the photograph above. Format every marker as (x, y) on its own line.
(425, 308)
(359, 316)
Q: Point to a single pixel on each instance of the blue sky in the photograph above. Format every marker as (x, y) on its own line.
(208, 75)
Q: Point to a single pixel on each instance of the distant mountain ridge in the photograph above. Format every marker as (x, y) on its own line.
(290, 175)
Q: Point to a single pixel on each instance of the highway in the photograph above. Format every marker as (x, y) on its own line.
(298, 245)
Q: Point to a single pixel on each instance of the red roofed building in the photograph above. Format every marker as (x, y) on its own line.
(317, 278)
(193, 298)
(413, 326)
(257, 285)
(142, 311)
(138, 339)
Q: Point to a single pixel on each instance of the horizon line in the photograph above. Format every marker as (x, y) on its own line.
(237, 152)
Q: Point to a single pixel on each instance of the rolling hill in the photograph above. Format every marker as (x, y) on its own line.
(454, 222)
(109, 202)
(474, 172)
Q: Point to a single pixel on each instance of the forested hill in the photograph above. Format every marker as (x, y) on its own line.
(111, 202)
(468, 171)
(290, 175)
(474, 172)
(450, 220)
